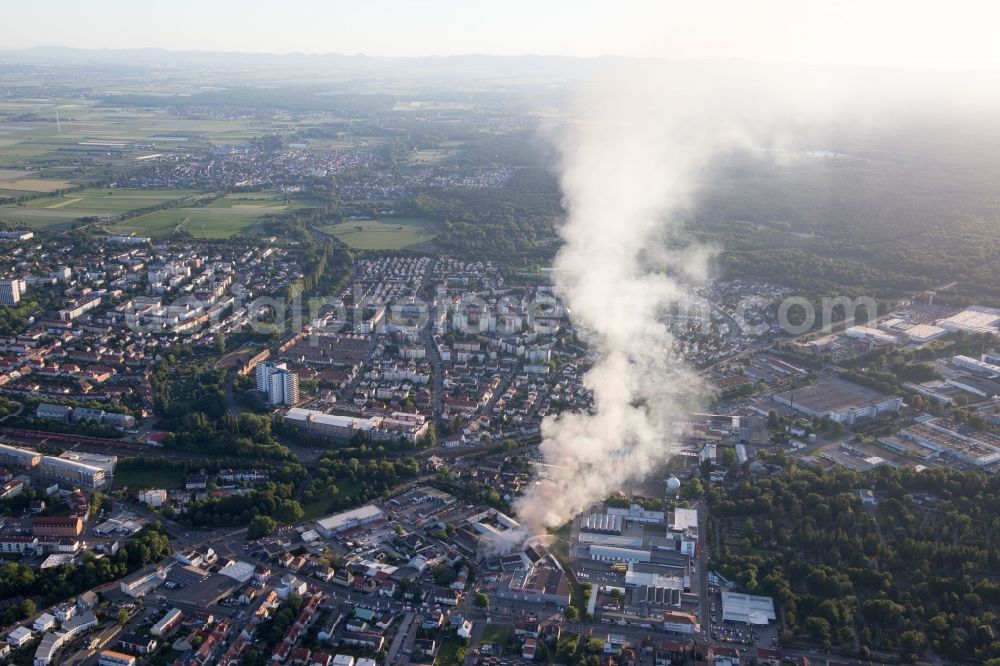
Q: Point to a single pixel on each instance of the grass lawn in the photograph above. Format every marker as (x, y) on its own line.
(149, 476)
(394, 233)
(497, 634)
(448, 654)
(320, 505)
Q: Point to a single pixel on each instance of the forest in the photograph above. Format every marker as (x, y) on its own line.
(913, 575)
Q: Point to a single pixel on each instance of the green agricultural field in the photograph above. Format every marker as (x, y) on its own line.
(230, 215)
(116, 135)
(20, 181)
(394, 233)
(58, 211)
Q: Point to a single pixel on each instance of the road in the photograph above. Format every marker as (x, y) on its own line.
(437, 369)
(505, 381)
(406, 633)
(231, 403)
(704, 614)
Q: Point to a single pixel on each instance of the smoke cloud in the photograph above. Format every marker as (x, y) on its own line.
(630, 165)
(642, 139)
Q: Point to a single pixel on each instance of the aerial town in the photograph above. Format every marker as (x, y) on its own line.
(455, 363)
(338, 375)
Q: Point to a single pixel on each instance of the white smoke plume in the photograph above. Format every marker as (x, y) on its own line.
(630, 163)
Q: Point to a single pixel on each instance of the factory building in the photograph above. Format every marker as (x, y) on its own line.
(747, 608)
(399, 425)
(648, 597)
(921, 333)
(543, 581)
(609, 553)
(976, 319)
(340, 522)
(839, 401)
(602, 523)
(632, 540)
(979, 386)
(976, 366)
(873, 334)
(636, 514)
(853, 458)
(143, 581)
(946, 437)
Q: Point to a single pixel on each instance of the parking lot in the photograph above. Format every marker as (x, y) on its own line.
(738, 633)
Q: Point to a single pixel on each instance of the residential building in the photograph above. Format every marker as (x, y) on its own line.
(167, 623)
(19, 637)
(10, 292)
(111, 658)
(72, 472)
(280, 385)
(51, 526)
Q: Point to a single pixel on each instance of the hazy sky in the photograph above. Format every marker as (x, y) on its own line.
(956, 33)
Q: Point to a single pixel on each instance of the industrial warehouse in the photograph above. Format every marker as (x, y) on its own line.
(348, 520)
(379, 428)
(940, 436)
(838, 400)
(637, 535)
(645, 554)
(747, 608)
(543, 581)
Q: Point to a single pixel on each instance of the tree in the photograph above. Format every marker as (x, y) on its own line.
(912, 641)
(481, 600)
(288, 511)
(261, 526)
(571, 614)
(122, 617)
(693, 489)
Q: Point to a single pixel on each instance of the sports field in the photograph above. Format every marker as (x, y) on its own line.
(56, 211)
(224, 217)
(395, 233)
